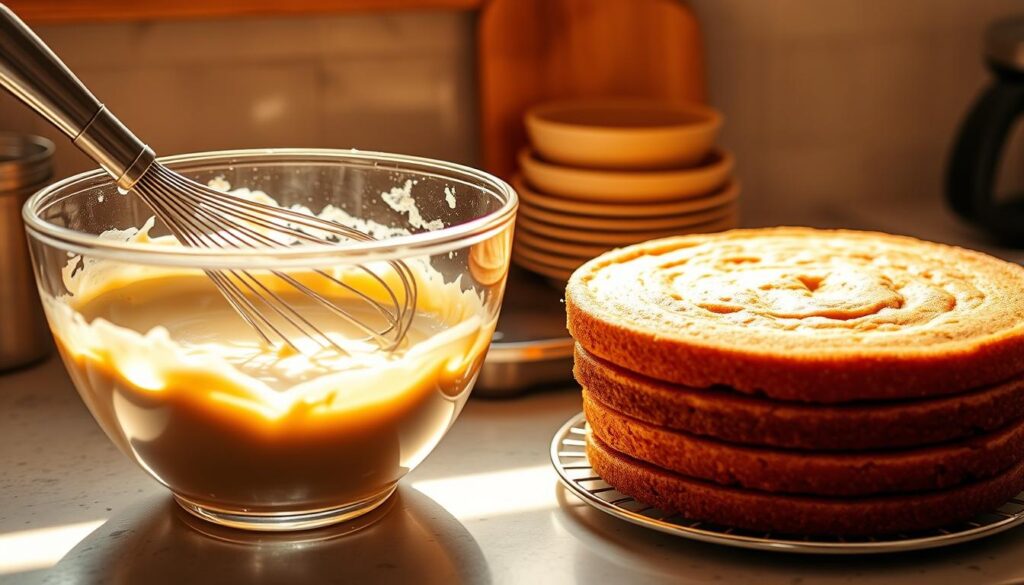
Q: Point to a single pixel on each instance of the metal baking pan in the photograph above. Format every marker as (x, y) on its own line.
(531, 346)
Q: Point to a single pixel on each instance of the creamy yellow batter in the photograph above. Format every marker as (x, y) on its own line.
(186, 388)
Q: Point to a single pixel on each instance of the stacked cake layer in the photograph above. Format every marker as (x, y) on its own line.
(804, 381)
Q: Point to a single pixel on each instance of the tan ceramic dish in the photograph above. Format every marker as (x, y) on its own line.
(552, 272)
(562, 247)
(558, 259)
(626, 186)
(629, 224)
(620, 238)
(552, 260)
(623, 133)
(527, 196)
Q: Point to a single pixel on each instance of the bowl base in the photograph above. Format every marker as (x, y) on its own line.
(281, 522)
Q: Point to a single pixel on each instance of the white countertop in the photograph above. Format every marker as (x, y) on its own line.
(485, 507)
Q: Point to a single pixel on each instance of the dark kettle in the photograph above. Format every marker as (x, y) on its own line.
(977, 153)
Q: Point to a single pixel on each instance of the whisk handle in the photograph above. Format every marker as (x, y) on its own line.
(31, 72)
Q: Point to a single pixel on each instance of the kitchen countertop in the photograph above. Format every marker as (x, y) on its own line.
(485, 507)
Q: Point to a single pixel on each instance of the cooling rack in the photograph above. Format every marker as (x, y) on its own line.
(568, 455)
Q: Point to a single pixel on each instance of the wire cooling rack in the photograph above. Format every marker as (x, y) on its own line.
(568, 455)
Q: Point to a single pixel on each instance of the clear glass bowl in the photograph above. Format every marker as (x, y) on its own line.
(250, 435)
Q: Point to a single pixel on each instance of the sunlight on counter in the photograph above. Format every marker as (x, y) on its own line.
(40, 548)
(495, 493)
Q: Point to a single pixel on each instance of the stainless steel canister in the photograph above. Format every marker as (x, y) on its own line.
(26, 165)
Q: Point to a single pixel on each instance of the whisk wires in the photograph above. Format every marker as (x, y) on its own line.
(202, 217)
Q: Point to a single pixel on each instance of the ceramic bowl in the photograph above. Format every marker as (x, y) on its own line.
(628, 224)
(524, 223)
(609, 186)
(549, 258)
(556, 274)
(533, 198)
(623, 133)
(562, 247)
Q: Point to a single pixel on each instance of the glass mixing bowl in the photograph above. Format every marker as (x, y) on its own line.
(257, 435)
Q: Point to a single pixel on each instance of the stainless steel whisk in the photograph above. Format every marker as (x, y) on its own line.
(199, 216)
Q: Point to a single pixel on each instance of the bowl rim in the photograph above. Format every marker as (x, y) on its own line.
(536, 116)
(422, 244)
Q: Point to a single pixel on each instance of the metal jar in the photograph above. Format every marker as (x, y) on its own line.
(26, 165)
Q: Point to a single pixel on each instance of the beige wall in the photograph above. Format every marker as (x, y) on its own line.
(845, 100)
(826, 100)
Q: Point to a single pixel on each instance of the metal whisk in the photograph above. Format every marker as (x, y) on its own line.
(199, 216)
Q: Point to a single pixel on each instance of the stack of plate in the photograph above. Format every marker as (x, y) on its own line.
(607, 173)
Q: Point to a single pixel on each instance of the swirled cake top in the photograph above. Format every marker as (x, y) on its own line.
(803, 290)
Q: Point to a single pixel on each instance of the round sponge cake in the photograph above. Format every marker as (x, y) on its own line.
(801, 515)
(754, 420)
(804, 315)
(856, 473)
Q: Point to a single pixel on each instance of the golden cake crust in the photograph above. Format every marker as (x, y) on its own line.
(739, 418)
(804, 472)
(803, 314)
(800, 515)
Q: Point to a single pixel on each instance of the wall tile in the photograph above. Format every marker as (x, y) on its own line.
(391, 81)
(411, 104)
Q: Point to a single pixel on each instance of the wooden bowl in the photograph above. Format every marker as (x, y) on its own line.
(626, 186)
(623, 133)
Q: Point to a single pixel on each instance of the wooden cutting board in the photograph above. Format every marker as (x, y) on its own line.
(532, 51)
